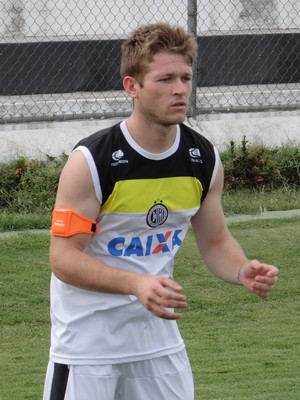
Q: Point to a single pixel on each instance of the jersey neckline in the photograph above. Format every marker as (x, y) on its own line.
(145, 153)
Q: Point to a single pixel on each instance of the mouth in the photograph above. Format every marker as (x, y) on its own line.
(179, 105)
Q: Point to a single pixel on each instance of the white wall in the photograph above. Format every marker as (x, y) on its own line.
(28, 20)
(248, 16)
(76, 19)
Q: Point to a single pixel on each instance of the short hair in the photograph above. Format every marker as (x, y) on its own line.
(146, 41)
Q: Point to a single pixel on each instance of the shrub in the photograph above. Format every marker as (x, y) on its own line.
(258, 167)
(30, 185)
(10, 179)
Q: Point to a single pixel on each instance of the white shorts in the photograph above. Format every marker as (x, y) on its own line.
(163, 378)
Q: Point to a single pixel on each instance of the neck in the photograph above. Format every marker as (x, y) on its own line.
(152, 137)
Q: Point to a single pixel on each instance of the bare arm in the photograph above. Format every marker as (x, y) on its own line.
(72, 265)
(222, 253)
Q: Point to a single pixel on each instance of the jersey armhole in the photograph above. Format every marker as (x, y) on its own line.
(94, 173)
(216, 167)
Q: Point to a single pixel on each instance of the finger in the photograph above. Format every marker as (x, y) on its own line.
(164, 313)
(268, 280)
(274, 272)
(259, 292)
(262, 290)
(267, 269)
(169, 303)
(173, 296)
(166, 293)
(166, 298)
(161, 306)
(169, 283)
(263, 269)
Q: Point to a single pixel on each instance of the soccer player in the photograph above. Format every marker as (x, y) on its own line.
(126, 198)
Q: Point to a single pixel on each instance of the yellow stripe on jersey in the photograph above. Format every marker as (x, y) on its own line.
(138, 195)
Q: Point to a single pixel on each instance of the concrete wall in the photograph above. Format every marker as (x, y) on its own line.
(40, 140)
(244, 16)
(76, 19)
(27, 20)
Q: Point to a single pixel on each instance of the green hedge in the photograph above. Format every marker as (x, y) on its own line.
(259, 167)
(29, 186)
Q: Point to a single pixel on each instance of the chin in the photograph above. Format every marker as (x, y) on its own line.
(178, 120)
(175, 119)
(168, 119)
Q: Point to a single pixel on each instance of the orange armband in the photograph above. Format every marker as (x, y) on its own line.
(66, 222)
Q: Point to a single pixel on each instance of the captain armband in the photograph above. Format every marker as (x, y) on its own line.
(66, 222)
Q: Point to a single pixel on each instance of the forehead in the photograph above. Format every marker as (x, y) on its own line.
(169, 63)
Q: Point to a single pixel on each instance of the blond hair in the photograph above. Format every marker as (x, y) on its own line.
(148, 40)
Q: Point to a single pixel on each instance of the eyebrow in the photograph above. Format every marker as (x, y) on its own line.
(171, 74)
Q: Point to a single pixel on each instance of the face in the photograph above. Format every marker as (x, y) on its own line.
(163, 96)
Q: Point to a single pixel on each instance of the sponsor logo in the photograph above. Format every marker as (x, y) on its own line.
(195, 155)
(152, 244)
(157, 215)
(117, 157)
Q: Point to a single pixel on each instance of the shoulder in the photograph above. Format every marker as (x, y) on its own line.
(193, 139)
(104, 135)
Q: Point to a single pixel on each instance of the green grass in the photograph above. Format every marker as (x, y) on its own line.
(12, 221)
(24, 315)
(256, 201)
(234, 202)
(241, 347)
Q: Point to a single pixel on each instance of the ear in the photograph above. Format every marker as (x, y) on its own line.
(130, 85)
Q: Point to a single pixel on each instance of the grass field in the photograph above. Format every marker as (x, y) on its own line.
(234, 202)
(241, 347)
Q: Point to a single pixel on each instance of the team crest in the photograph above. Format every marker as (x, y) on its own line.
(157, 215)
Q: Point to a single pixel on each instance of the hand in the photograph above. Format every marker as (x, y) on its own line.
(259, 278)
(158, 293)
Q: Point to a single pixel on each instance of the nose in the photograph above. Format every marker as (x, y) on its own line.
(179, 87)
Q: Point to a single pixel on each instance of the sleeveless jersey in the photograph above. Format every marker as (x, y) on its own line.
(147, 201)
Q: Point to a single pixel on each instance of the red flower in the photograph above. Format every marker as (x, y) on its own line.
(18, 171)
(259, 178)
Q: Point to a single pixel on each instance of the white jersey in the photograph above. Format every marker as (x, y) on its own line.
(147, 203)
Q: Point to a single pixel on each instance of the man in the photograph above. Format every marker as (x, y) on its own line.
(125, 201)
